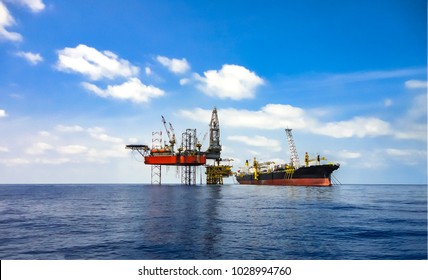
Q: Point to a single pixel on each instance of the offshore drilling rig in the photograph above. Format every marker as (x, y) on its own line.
(216, 172)
(188, 156)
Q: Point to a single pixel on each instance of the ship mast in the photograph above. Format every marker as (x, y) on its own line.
(293, 152)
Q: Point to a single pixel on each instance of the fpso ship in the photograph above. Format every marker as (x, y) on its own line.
(287, 175)
(267, 173)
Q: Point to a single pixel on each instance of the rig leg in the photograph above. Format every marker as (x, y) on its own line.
(156, 174)
(188, 175)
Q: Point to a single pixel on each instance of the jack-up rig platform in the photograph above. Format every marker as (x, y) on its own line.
(188, 156)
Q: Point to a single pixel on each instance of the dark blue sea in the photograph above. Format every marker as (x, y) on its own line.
(363, 222)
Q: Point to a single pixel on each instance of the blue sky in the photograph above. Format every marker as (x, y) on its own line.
(80, 79)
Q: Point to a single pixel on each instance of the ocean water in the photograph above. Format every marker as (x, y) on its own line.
(363, 222)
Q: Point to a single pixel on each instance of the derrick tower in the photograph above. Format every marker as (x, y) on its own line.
(293, 152)
(216, 172)
(214, 149)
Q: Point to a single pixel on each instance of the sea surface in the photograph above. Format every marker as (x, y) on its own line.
(363, 222)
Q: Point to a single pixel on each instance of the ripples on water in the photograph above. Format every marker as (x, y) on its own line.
(213, 222)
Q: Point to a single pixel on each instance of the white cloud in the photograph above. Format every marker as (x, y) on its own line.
(38, 148)
(62, 151)
(403, 152)
(257, 141)
(415, 84)
(7, 20)
(148, 71)
(337, 84)
(356, 127)
(387, 102)
(53, 161)
(133, 140)
(413, 124)
(102, 155)
(280, 116)
(271, 116)
(99, 134)
(34, 5)
(231, 81)
(2, 113)
(412, 131)
(15, 161)
(348, 154)
(4, 149)
(407, 156)
(68, 128)
(133, 90)
(363, 76)
(94, 64)
(184, 81)
(418, 108)
(33, 58)
(177, 66)
(72, 149)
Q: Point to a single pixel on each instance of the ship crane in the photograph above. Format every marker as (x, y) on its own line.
(201, 143)
(293, 151)
(318, 159)
(171, 136)
(173, 133)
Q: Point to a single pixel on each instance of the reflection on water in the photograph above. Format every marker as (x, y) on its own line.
(212, 222)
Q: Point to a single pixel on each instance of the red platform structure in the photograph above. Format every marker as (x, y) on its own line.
(187, 156)
(179, 160)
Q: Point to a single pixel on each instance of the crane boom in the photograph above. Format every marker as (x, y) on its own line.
(166, 128)
(293, 152)
(173, 133)
(171, 138)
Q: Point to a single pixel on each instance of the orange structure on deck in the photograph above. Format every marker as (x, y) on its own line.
(185, 160)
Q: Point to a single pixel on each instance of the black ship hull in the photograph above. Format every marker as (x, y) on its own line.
(316, 175)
